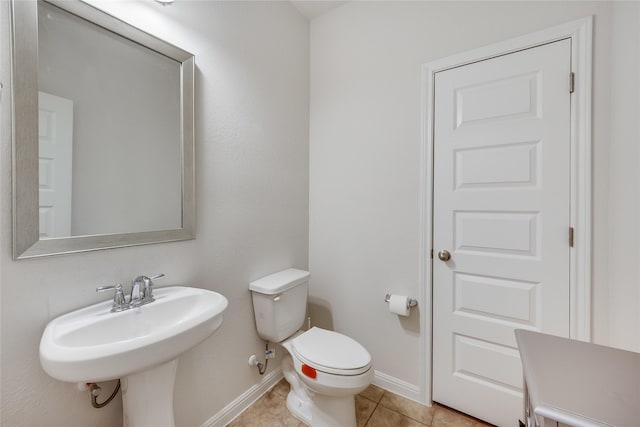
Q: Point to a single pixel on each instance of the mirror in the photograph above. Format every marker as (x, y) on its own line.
(103, 132)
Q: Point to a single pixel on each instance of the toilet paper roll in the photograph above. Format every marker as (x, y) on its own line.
(399, 304)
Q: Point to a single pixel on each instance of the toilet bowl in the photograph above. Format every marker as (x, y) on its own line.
(330, 369)
(325, 369)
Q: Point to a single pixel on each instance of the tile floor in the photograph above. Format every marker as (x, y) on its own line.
(375, 407)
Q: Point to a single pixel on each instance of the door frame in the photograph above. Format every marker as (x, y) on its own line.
(581, 34)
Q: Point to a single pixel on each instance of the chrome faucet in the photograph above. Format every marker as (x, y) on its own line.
(136, 297)
(142, 290)
(141, 293)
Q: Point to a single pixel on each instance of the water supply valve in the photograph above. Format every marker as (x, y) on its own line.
(269, 353)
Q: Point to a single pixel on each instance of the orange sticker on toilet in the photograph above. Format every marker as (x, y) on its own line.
(309, 371)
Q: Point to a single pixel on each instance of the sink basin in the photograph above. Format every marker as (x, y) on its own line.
(92, 344)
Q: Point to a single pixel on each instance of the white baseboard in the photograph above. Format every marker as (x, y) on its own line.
(246, 399)
(398, 386)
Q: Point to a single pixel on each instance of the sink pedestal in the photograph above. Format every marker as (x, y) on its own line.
(147, 397)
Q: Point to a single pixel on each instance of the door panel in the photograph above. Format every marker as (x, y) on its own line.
(501, 208)
(495, 298)
(503, 166)
(55, 150)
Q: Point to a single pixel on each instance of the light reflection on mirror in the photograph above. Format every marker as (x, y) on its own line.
(110, 150)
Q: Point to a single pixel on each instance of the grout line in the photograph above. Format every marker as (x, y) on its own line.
(366, 423)
(275, 392)
(396, 410)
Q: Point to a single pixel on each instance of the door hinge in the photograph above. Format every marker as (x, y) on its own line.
(571, 237)
(572, 81)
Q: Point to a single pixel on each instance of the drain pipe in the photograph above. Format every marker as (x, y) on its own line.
(95, 392)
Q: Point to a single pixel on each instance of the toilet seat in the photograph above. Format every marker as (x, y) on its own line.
(331, 352)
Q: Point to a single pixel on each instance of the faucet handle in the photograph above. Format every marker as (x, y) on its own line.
(119, 301)
(148, 287)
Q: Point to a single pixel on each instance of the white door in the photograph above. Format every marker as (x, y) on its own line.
(501, 209)
(55, 150)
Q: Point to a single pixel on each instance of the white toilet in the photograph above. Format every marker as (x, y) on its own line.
(325, 369)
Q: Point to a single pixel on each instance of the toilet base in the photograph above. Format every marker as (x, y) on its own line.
(299, 402)
(323, 411)
(313, 409)
(330, 411)
(299, 408)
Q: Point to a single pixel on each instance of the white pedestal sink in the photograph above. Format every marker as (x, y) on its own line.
(139, 346)
(141, 391)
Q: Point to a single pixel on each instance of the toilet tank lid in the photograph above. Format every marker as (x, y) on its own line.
(279, 282)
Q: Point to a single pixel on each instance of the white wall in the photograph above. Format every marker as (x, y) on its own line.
(252, 211)
(365, 157)
(624, 178)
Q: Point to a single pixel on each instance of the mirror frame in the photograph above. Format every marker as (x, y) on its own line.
(24, 44)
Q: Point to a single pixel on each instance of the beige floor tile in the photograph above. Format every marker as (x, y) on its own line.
(392, 411)
(446, 417)
(384, 417)
(282, 388)
(411, 409)
(364, 409)
(270, 410)
(373, 392)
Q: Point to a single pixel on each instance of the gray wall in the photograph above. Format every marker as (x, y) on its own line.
(366, 95)
(252, 211)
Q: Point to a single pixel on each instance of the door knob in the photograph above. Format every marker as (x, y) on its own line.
(444, 255)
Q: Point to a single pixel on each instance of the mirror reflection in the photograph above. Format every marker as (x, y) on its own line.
(110, 147)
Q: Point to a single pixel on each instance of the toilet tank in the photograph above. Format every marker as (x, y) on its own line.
(280, 303)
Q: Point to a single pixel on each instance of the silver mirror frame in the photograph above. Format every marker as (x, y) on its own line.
(26, 232)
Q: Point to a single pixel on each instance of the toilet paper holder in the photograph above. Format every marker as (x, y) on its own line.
(412, 301)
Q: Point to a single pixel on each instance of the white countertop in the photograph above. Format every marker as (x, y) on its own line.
(578, 383)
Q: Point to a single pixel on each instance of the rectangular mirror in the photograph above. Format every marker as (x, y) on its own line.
(102, 132)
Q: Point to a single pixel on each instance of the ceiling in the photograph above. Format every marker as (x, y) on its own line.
(314, 8)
